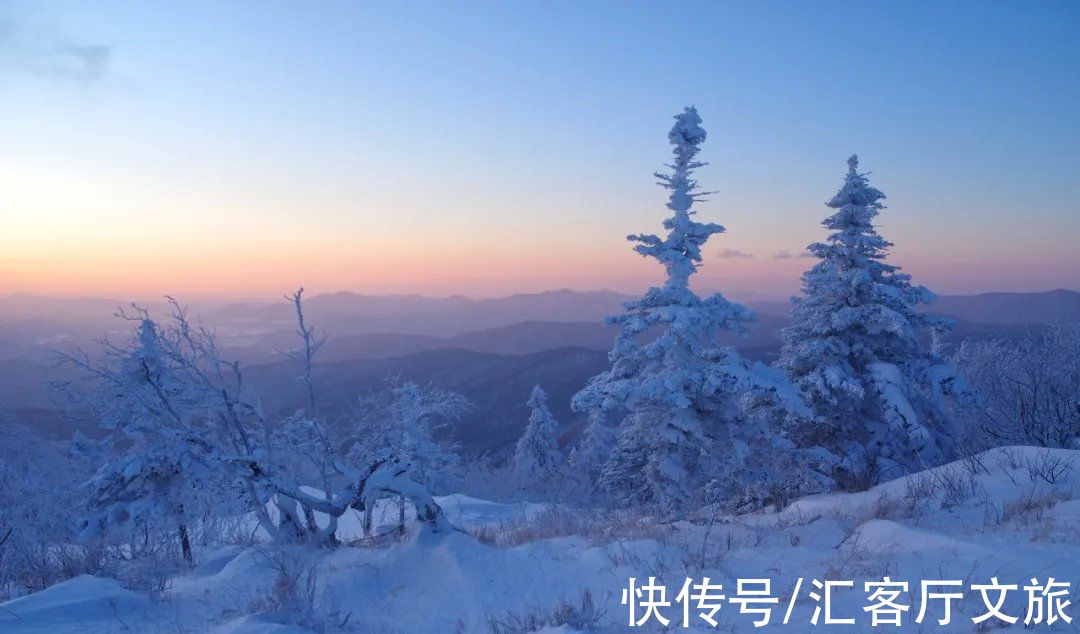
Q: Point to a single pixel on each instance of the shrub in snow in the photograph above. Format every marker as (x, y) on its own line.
(584, 615)
(294, 597)
(388, 452)
(682, 394)
(39, 492)
(854, 348)
(775, 465)
(1029, 389)
(404, 421)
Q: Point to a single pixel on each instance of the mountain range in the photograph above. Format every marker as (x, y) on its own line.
(554, 339)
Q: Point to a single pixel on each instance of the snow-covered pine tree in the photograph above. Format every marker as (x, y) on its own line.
(537, 456)
(681, 394)
(594, 449)
(856, 347)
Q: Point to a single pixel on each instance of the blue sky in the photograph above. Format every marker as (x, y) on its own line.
(483, 148)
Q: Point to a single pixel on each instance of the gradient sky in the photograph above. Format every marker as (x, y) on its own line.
(244, 148)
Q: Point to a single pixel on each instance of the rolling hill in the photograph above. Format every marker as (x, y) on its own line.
(497, 386)
(1012, 308)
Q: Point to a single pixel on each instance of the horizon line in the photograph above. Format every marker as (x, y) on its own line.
(267, 298)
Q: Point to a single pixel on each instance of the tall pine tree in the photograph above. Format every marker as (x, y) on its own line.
(681, 393)
(857, 346)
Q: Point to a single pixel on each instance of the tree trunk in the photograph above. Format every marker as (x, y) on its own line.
(290, 530)
(185, 539)
(185, 543)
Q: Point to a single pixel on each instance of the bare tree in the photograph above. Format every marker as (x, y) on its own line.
(1029, 389)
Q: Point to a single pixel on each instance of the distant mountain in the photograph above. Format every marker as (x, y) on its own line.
(1049, 307)
(521, 338)
(495, 368)
(1043, 308)
(376, 345)
(497, 385)
(374, 327)
(351, 313)
(772, 307)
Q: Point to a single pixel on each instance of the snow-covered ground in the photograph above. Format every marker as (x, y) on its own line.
(1014, 514)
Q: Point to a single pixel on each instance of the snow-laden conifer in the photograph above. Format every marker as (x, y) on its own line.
(858, 347)
(594, 449)
(537, 456)
(682, 394)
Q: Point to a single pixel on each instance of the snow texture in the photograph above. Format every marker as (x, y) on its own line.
(996, 516)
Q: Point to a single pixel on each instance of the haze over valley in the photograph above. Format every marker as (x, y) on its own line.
(492, 351)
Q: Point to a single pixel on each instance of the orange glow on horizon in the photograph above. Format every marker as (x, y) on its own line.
(251, 274)
(254, 273)
(441, 265)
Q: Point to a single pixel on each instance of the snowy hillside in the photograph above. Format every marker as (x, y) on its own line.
(1011, 513)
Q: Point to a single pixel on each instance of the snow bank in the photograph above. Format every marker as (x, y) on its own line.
(82, 604)
(1012, 513)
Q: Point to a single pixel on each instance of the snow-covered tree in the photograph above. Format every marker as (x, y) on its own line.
(184, 422)
(40, 502)
(777, 463)
(537, 456)
(594, 449)
(403, 421)
(1029, 389)
(857, 350)
(682, 394)
(155, 411)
